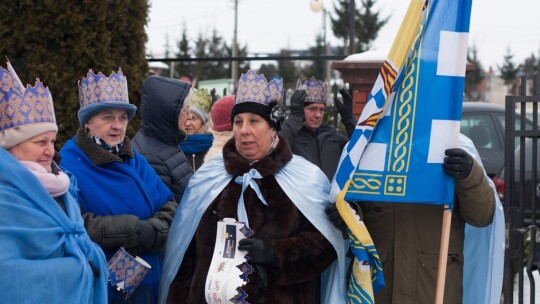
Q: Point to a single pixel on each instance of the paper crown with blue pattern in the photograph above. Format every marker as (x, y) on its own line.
(315, 90)
(256, 95)
(24, 112)
(99, 92)
(255, 88)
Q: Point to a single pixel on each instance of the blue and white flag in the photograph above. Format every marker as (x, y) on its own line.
(411, 117)
(418, 121)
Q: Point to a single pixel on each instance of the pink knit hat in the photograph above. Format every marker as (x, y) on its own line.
(221, 113)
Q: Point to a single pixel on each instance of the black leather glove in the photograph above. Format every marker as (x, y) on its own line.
(457, 163)
(297, 103)
(262, 276)
(259, 251)
(344, 109)
(335, 217)
(147, 235)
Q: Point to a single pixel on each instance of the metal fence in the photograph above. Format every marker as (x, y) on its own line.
(522, 194)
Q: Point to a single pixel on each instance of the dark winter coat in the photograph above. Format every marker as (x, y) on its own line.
(322, 147)
(196, 159)
(158, 138)
(302, 251)
(408, 237)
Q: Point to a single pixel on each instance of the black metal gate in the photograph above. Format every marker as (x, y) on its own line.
(522, 194)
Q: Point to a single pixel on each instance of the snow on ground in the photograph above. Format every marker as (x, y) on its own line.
(527, 289)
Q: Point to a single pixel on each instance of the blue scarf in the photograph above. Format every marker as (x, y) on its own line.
(197, 143)
(45, 253)
(131, 187)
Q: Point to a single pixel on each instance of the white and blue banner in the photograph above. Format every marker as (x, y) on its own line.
(403, 160)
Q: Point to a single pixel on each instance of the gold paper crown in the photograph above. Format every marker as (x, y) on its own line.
(201, 99)
(255, 88)
(20, 106)
(315, 90)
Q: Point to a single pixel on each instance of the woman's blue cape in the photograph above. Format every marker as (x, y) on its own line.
(45, 253)
(304, 184)
(483, 250)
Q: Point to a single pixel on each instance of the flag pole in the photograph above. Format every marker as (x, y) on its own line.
(443, 254)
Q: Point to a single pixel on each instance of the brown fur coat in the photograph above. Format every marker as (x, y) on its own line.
(302, 251)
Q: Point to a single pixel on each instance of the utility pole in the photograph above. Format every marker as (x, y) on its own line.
(234, 63)
(326, 69)
(352, 11)
(316, 6)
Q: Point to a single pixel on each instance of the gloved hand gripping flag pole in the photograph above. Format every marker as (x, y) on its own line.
(421, 62)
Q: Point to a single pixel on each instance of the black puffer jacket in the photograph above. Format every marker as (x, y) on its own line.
(322, 147)
(158, 138)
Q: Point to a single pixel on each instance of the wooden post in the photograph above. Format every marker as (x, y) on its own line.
(443, 254)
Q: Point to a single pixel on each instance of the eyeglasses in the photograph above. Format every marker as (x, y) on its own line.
(185, 110)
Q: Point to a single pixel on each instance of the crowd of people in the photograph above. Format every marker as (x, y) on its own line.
(195, 161)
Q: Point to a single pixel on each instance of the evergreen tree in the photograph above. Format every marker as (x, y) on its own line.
(183, 68)
(205, 47)
(200, 67)
(475, 77)
(268, 70)
(370, 23)
(531, 65)
(60, 42)
(287, 70)
(366, 25)
(216, 48)
(509, 71)
(316, 68)
(243, 66)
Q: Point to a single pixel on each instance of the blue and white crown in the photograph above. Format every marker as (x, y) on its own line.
(24, 112)
(100, 88)
(315, 90)
(255, 88)
(99, 92)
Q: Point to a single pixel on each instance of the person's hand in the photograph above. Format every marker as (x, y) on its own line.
(344, 107)
(335, 217)
(345, 111)
(259, 251)
(297, 103)
(457, 163)
(147, 235)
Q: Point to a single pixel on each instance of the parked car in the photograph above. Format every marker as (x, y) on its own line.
(484, 124)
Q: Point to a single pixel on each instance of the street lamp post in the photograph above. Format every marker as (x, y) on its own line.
(234, 63)
(317, 6)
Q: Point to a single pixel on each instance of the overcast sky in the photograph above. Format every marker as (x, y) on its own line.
(270, 25)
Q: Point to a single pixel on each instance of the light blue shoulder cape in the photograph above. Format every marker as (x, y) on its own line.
(483, 250)
(45, 253)
(304, 184)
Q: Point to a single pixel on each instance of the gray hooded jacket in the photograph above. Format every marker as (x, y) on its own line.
(158, 138)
